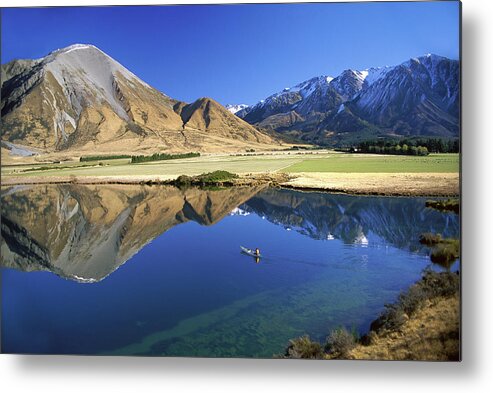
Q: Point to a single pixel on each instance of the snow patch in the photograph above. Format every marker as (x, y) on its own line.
(239, 212)
(69, 118)
(236, 108)
(374, 74)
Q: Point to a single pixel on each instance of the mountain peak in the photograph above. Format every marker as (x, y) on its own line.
(235, 108)
(74, 47)
(433, 56)
(77, 46)
(426, 59)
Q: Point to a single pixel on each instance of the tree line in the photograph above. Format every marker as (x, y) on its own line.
(415, 146)
(161, 157)
(101, 158)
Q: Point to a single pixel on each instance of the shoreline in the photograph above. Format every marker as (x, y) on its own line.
(422, 324)
(371, 184)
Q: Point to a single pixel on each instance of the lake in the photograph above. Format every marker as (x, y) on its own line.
(157, 271)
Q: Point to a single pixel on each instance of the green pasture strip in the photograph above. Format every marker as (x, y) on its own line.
(363, 163)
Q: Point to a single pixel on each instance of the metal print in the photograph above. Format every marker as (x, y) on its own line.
(254, 180)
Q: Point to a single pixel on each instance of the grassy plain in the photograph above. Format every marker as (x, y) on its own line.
(373, 163)
(436, 174)
(189, 166)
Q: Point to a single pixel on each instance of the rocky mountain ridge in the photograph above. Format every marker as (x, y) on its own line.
(419, 97)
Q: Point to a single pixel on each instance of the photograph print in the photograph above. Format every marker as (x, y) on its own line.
(273, 181)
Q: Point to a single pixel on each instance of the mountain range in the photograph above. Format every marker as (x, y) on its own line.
(79, 98)
(419, 97)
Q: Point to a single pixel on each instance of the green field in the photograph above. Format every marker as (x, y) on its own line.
(190, 166)
(365, 163)
(291, 163)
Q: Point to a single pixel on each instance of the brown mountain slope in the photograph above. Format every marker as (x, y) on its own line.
(79, 99)
(206, 114)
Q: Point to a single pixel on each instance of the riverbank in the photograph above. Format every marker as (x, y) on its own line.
(386, 184)
(432, 333)
(422, 324)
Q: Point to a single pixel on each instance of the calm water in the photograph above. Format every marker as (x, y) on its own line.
(157, 271)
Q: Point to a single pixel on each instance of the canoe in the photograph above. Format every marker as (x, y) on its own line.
(250, 252)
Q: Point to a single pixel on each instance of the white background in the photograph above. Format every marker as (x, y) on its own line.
(473, 374)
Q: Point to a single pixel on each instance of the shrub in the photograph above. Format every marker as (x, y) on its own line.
(452, 205)
(410, 301)
(443, 284)
(340, 342)
(304, 348)
(391, 319)
(184, 180)
(216, 177)
(430, 239)
(445, 253)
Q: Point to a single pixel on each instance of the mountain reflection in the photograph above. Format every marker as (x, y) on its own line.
(85, 232)
(324, 216)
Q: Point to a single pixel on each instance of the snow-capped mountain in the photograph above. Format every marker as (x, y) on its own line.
(235, 108)
(417, 97)
(287, 99)
(80, 98)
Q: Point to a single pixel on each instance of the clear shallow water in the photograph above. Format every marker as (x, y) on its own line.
(157, 271)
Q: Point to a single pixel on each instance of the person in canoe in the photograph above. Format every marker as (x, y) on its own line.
(257, 255)
(253, 253)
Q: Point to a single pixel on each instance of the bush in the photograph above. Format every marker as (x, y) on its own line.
(340, 342)
(304, 348)
(410, 301)
(184, 180)
(391, 319)
(430, 239)
(445, 253)
(444, 284)
(452, 205)
(216, 177)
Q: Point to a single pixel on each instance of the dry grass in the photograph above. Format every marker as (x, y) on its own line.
(431, 334)
(438, 184)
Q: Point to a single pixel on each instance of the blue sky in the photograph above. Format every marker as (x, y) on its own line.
(238, 53)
